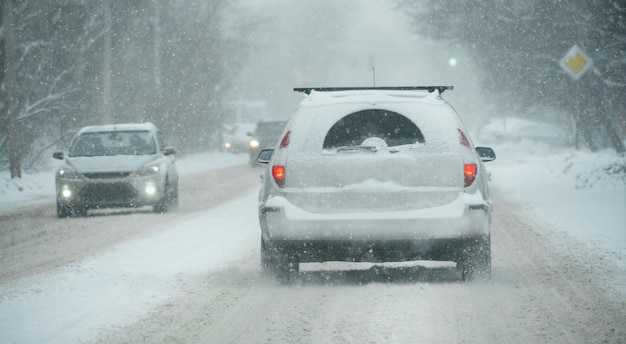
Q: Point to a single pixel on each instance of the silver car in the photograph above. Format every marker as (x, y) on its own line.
(375, 174)
(113, 166)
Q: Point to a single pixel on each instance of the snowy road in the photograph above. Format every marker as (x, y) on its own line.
(193, 276)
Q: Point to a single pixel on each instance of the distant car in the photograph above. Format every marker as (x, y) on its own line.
(265, 135)
(113, 166)
(380, 174)
(235, 138)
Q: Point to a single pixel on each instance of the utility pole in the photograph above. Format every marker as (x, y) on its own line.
(10, 73)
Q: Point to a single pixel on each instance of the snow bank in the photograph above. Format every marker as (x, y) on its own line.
(580, 192)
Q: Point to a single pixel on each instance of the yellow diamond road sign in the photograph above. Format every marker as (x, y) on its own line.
(575, 62)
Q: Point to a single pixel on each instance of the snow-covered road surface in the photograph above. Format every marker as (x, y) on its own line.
(193, 276)
(538, 294)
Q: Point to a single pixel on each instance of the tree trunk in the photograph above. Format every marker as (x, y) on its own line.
(156, 51)
(613, 139)
(10, 73)
(107, 113)
(158, 106)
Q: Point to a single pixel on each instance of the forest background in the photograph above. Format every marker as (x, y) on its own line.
(179, 64)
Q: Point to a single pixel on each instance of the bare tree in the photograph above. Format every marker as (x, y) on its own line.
(10, 82)
(67, 64)
(524, 42)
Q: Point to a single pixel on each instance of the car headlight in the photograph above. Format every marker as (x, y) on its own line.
(254, 143)
(147, 170)
(66, 192)
(67, 172)
(150, 189)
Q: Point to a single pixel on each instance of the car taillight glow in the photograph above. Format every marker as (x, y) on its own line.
(469, 171)
(285, 141)
(278, 172)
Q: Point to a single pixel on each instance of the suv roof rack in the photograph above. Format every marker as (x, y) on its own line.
(308, 90)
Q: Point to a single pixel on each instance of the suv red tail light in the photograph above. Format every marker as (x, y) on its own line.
(469, 171)
(278, 172)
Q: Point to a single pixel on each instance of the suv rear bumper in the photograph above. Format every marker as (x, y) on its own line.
(375, 251)
(283, 221)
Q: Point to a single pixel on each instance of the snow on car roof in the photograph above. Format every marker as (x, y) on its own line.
(308, 90)
(120, 127)
(371, 97)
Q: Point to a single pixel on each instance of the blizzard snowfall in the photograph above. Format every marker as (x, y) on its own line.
(580, 193)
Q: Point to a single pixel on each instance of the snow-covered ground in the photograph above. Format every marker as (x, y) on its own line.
(582, 193)
(73, 303)
(62, 307)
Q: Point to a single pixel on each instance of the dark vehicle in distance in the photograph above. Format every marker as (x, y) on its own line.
(265, 135)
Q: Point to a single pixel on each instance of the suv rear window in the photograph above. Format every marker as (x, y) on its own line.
(390, 126)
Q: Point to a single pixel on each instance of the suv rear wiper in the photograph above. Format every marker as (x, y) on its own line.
(355, 148)
(351, 148)
(307, 90)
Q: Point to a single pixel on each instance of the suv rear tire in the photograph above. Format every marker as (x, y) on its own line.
(280, 263)
(475, 259)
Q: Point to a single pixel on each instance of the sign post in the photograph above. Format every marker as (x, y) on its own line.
(576, 63)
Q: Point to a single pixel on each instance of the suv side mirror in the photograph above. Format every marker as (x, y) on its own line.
(486, 154)
(265, 156)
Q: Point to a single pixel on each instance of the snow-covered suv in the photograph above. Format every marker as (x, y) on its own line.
(116, 165)
(375, 174)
